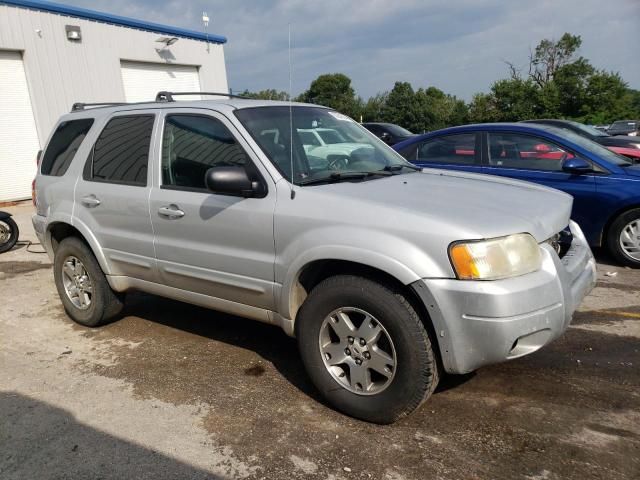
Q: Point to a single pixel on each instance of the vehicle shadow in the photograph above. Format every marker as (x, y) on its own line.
(268, 341)
(39, 440)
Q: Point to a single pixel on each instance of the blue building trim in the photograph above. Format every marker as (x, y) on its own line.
(113, 19)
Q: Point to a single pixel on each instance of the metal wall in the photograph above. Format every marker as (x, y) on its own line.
(60, 72)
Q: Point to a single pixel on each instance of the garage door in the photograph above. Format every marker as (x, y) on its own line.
(19, 142)
(142, 81)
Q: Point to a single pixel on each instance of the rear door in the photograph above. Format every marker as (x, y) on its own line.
(217, 245)
(536, 159)
(459, 151)
(112, 195)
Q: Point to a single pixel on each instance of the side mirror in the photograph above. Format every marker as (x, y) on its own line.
(576, 166)
(230, 181)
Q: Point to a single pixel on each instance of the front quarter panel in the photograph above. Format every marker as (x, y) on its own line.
(306, 232)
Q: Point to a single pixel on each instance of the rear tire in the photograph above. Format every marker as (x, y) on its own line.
(8, 230)
(409, 361)
(82, 286)
(623, 239)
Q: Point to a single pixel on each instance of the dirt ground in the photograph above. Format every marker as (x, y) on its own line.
(176, 391)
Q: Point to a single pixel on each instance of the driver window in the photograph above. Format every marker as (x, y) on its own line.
(194, 143)
(512, 150)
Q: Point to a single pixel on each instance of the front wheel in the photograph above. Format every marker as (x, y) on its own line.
(623, 240)
(8, 234)
(366, 349)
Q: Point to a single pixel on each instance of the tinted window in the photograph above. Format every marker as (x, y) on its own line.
(121, 153)
(63, 146)
(512, 150)
(191, 145)
(456, 149)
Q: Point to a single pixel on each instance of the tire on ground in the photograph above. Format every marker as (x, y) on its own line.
(416, 375)
(613, 237)
(105, 304)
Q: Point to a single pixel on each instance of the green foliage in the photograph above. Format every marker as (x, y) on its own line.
(558, 84)
(269, 94)
(333, 90)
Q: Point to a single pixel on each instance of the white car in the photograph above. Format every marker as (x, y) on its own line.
(331, 145)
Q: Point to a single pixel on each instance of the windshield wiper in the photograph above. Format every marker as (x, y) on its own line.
(335, 177)
(395, 168)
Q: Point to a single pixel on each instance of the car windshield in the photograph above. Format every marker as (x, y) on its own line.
(287, 135)
(593, 147)
(623, 125)
(589, 130)
(398, 131)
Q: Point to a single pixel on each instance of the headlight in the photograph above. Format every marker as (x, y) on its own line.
(496, 258)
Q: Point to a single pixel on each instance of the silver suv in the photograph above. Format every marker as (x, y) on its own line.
(387, 275)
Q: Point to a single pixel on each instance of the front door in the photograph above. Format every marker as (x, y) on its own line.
(218, 245)
(536, 159)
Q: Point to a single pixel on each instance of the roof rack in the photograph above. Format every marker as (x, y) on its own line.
(168, 96)
(81, 106)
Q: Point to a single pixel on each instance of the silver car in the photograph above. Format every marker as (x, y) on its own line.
(387, 275)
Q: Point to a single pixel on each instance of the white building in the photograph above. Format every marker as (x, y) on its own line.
(53, 55)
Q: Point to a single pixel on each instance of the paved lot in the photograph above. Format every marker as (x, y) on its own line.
(175, 391)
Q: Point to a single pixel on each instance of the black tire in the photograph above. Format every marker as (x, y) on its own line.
(105, 304)
(416, 375)
(13, 234)
(613, 238)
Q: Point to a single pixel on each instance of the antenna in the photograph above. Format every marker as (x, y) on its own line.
(293, 192)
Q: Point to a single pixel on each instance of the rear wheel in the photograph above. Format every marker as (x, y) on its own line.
(366, 349)
(623, 240)
(82, 286)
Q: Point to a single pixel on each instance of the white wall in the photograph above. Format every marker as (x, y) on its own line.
(60, 72)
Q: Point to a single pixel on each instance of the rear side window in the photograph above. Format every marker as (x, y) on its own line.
(121, 153)
(63, 146)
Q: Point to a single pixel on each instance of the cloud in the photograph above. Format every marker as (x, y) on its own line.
(457, 45)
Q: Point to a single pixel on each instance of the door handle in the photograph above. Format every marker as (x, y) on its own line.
(90, 201)
(171, 211)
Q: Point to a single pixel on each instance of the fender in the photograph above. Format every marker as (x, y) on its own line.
(366, 254)
(4, 215)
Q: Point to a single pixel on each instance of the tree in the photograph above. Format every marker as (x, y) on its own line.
(549, 56)
(269, 94)
(333, 90)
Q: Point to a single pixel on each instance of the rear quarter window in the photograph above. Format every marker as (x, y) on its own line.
(63, 146)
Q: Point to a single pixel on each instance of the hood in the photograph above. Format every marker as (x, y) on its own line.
(619, 141)
(453, 205)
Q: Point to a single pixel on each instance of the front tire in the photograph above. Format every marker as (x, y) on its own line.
(82, 286)
(366, 349)
(623, 240)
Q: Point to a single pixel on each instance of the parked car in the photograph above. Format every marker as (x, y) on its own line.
(623, 145)
(385, 274)
(329, 147)
(602, 128)
(389, 133)
(605, 186)
(625, 127)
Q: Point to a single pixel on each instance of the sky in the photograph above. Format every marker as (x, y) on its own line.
(459, 46)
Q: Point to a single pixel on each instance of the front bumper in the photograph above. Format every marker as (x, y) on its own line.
(482, 322)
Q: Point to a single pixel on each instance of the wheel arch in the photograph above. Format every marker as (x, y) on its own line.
(604, 236)
(59, 230)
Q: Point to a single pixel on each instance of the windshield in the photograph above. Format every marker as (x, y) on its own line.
(589, 130)
(397, 130)
(348, 147)
(593, 147)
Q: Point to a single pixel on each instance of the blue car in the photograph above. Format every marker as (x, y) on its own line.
(605, 186)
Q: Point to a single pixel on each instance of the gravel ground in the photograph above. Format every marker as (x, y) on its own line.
(176, 391)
